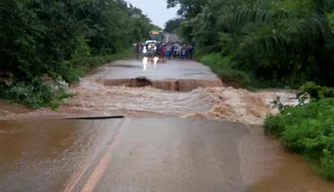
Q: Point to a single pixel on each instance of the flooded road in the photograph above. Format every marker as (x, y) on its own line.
(176, 88)
(201, 151)
(147, 154)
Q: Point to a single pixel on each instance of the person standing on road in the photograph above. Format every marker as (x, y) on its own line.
(172, 51)
(158, 50)
(187, 51)
(163, 53)
(179, 51)
(168, 51)
(191, 48)
(137, 50)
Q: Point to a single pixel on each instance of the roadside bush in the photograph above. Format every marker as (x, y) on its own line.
(35, 94)
(61, 40)
(223, 67)
(317, 91)
(308, 130)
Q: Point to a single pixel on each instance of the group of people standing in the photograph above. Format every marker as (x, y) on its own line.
(167, 50)
(176, 50)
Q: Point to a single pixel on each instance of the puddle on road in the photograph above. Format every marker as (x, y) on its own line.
(278, 170)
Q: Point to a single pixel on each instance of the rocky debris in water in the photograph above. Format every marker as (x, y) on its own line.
(141, 78)
(140, 81)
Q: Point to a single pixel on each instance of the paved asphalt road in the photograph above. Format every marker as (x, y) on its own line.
(170, 37)
(120, 155)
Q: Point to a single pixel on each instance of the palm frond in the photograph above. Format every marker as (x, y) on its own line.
(245, 15)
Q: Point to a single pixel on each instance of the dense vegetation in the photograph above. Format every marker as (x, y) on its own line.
(61, 40)
(274, 43)
(271, 43)
(308, 129)
(172, 25)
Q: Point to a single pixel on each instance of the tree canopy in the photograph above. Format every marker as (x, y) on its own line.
(57, 37)
(284, 42)
(172, 24)
(41, 37)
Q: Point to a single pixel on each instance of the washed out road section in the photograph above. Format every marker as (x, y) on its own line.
(177, 88)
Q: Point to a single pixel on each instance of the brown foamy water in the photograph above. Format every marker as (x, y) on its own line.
(265, 166)
(222, 103)
(178, 88)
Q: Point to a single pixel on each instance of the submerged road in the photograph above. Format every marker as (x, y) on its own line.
(172, 69)
(149, 154)
(141, 155)
(174, 75)
(121, 155)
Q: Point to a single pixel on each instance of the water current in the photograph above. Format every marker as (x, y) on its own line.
(191, 92)
(180, 90)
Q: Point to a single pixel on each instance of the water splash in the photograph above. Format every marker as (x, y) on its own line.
(181, 88)
(220, 103)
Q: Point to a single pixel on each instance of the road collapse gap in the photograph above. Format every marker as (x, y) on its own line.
(96, 118)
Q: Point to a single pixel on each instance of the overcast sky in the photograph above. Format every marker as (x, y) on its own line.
(156, 10)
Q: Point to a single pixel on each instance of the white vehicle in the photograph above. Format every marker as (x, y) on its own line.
(151, 44)
(150, 41)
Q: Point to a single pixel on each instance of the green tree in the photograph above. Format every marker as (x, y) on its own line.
(56, 37)
(172, 24)
(282, 42)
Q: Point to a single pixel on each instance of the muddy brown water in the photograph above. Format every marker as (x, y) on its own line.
(233, 157)
(147, 154)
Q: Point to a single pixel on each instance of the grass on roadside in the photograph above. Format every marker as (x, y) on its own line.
(224, 68)
(308, 130)
(35, 94)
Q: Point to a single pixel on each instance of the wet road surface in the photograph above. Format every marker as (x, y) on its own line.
(147, 154)
(161, 154)
(172, 37)
(176, 88)
(172, 69)
(175, 75)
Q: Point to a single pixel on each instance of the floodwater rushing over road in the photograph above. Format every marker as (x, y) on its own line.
(160, 152)
(177, 88)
